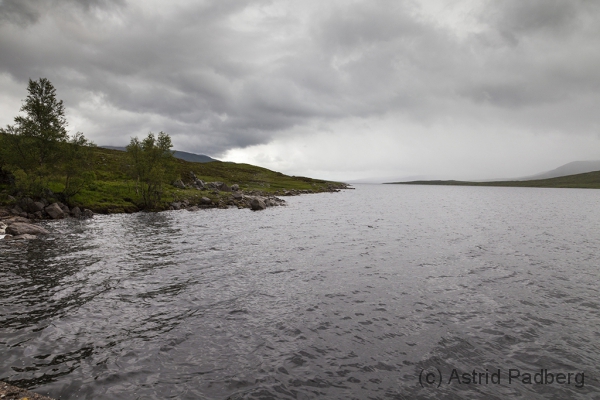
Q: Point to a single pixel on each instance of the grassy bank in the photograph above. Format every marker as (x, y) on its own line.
(590, 180)
(114, 191)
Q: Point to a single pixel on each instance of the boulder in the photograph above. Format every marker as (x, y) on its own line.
(205, 201)
(75, 212)
(38, 215)
(54, 211)
(192, 208)
(64, 208)
(257, 204)
(2, 228)
(4, 213)
(87, 213)
(235, 187)
(179, 184)
(22, 228)
(37, 206)
(12, 220)
(176, 205)
(24, 236)
(225, 188)
(200, 184)
(237, 195)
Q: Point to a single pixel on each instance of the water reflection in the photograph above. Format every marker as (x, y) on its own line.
(344, 301)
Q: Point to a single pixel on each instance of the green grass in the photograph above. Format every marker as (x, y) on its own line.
(589, 180)
(114, 191)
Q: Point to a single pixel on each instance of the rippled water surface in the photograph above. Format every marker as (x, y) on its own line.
(336, 296)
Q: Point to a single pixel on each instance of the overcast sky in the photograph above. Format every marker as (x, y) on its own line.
(333, 89)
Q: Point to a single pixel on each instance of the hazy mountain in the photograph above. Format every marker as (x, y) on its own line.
(572, 168)
(200, 158)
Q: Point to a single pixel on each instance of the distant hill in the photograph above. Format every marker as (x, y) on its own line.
(200, 158)
(588, 180)
(572, 168)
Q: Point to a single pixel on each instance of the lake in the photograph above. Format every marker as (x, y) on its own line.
(383, 292)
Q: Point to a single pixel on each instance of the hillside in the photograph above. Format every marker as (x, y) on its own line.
(572, 168)
(590, 180)
(114, 191)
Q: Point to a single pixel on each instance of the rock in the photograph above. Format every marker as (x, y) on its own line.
(4, 213)
(22, 228)
(257, 204)
(205, 201)
(179, 184)
(2, 228)
(64, 208)
(12, 220)
(11, 198)
(54, 211)
(17, 210)
(75, 212)
(192, 208)
(176, 205)
(26, 204)
(237, 195)
(225, 188)
(24, 236)
(38, 215)
(87, 213)
(200, 184)
(235, 187)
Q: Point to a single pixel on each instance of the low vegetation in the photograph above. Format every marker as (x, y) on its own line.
(38, 159)
(590, 180)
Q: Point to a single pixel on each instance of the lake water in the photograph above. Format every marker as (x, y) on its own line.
(370, 293)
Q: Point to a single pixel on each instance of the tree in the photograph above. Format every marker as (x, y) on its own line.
(150, 160)
(33, 144)
(37, 147)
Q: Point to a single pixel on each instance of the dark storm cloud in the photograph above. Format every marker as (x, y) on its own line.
(223, 74)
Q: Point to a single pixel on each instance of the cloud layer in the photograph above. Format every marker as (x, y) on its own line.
(396, 87)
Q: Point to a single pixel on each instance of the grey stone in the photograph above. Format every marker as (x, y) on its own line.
(225, 188)
(24, 236)
(22, 228)
(235, 187)
(205, 201)
(38, 206)
(176, 205)
(192, 208)
(76, 212)
(237, 195)
(179, 184)
(54, 211)
(257, 204)
(87, 213)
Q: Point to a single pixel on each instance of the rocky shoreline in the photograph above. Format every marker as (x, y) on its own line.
(16, 220)
(10, 392)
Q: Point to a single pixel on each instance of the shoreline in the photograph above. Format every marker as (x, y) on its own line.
(18, 221)
(11, 392)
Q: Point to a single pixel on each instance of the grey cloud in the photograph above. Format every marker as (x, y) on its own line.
(216, 85)
(25, 12)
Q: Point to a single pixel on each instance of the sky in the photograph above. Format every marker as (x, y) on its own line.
(342, 90)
